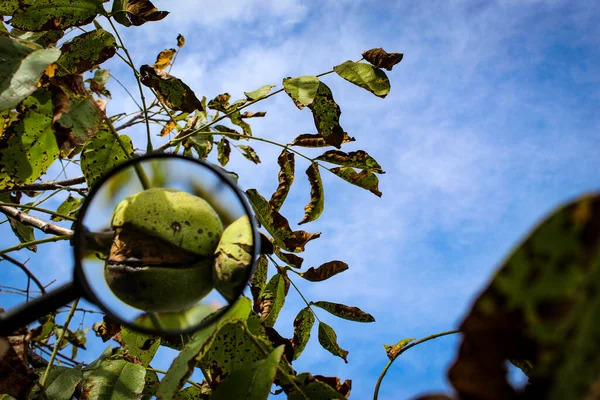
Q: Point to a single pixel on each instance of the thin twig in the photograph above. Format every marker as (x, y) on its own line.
(63, 216)
(36, 222)
(26, 270)
(26, 244)
(48, 185)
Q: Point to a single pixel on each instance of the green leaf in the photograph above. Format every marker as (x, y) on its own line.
(259, 93)
(150, 385)
(302, 90)
(393, 351)
(314, 208)
(364, 179)
(326, 114)
(86, 51)
(319, 387)
(286, 178)
(289, 258)
(98, 82)
(250, 154)
(67, 207)
(344, 311)
(259, 279)
(382, 59)
(328, 339)
(542, 306)
(224, 149)
(8, 7)
(193, 393)
(50, 15)
(277, 225)
(171, 91)
(61, 383)
(102, 153)
(357, 159)
(25, 233)
(183, 365)
(28, 147)
(271, 300)
(44, 38)
(136, 12)
(20, 70)
(365, 76)
(114, 379)
(303, 324)
(252, 381)
(316, 140)
(140, 346)
(78, 125)
(324, 271)
(202, 143)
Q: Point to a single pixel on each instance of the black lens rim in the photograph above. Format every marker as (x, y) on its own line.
(80, 278)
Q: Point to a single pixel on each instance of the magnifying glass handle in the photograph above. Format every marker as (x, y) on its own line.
(27, 313)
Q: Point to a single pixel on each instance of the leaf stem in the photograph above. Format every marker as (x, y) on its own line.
(413, 344)
(38, 209)
(58, 342)
(41, 241)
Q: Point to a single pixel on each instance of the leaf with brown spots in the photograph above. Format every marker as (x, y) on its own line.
(324, 271)
(259, 280)
(67, 207)
(365, 76)
(136, 12)
(286, 163)
(278, 226)
(102, 153)
(303, 324)
(180, 41)
(257, 114)
(379, 58)
(86, 51)
(289, 258)
(541, 306)
(163, 59)
(393, 351)
(344, 311)
(358, 159)
(51, 15)
(364, 179)
(140, 346)
(302, 90)
(25, 233)
(170, 90)
(316, 140)
(335, 383)
(318, 387)
(326, 114)
(271, 300)
(314, 208)
(328, 339)
(224, 149)
(106, 329)
(98, 82)
(75, 127)
(113, 379)
(250, 154)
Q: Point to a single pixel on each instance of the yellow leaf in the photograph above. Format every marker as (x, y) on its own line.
(164, 59)
(167, 128)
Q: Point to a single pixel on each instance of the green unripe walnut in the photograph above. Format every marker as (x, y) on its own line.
(163, 254)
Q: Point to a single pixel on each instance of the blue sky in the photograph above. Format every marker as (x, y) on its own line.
(492, 121)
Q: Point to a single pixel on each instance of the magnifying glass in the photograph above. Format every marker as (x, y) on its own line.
(158, 242)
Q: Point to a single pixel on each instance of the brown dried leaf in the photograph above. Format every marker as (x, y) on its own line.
(137, 12)
(163, 60)
(180, 41)
(171, 91)
(16, 378)
(314, 208)
(289, 258)
(286, 178)
(324, 271)
(334, 383)
(343, 311)
(379, 58)
(168, 128)
(249, 114)
(316, 140)
(107, 329)
(357, 159)
(364, 179)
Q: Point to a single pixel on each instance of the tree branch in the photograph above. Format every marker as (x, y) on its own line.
(26, 270)
(48, 185)
(36, 222)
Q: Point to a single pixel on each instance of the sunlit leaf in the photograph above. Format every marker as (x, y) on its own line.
(180, 41)
(20, 70)
(251, 382)
(319, 387)
(224, 149)
(55, 14)
(326, 114)
(364, 179)
(316, 140)
(259, 93)
(392, 351)
(271, 300)
(250, 154)
(289, 258)
(183, 365)
(365, 76)
(302, 90)
(344, 311)
(136, 12)
(286, 178)
(163, 59)
(277, 225)
(86, 51)
(102, 153)
(168, 128)
(171, 91)
(67, 207)
(140, 346)
(541, 306)
(43, 38)
(303, 324)
(328, 339)
(358, 159)
(114, 379)
(28, 147)
(324, 271)
(314, 208)
(382, 59)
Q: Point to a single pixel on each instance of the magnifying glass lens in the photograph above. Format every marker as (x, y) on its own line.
(162, 258)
